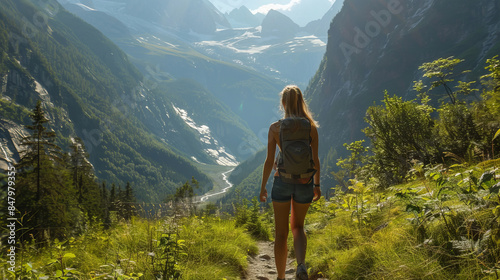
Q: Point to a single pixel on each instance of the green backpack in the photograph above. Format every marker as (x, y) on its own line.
(295, 160)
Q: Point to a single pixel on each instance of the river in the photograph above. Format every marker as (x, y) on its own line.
(212, 193)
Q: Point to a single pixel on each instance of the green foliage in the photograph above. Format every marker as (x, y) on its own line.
(446, 220)
(167, 253)
(486, 111)
(364, 196)
(404, 133)
(45, 193)
(444, 225)
(492, 80)
(246, 188)
(457, 130)
(242, 171)
(250, 218)
(192, 248)
(13, 112)
(187, 190)
(441, 69)
(183, 198)
(84, 180)
(351, 166)
(400, 132)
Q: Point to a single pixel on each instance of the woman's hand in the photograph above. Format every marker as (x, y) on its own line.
(263, 195)
(317, 193)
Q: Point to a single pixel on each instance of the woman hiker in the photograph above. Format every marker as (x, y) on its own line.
(292, 192)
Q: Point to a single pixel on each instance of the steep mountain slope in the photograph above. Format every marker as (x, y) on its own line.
(91, 91)
(320, 27)
(376, 45)
(221, 133)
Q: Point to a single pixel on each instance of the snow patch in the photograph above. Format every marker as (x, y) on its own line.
(86, 8)
(5, 153)
(251, 50)
(213, 149)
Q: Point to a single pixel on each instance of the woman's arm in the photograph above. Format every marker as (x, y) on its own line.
(314, 147)
(268, 164)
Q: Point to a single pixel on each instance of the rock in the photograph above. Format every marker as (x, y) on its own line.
(265, 257)
(11, 135)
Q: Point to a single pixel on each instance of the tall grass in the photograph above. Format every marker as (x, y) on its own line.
(197, 248)
(441, 228)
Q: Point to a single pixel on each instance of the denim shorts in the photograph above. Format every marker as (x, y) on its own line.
(284, 192)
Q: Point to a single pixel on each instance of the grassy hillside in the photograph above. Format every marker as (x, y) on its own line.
(194, 248)
(443, 224)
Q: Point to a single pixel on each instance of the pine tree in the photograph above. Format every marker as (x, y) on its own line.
(39, 146)
(112, 197)
(46, 195)
(105, 205)
(84, 180)
(129, 202)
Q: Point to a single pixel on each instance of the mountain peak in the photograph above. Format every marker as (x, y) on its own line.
(279, 25)
(243, 17)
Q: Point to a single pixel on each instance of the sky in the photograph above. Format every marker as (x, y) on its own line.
(300, 11)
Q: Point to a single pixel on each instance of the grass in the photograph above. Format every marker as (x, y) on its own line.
(208, 248)
(451, 231)
(455, 236)
(220, 243)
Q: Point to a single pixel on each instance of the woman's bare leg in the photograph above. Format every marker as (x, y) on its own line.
(281, 218)
(298, 216)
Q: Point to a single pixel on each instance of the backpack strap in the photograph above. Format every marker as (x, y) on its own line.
(288, 176)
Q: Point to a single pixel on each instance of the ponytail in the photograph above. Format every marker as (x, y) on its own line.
(294, 105)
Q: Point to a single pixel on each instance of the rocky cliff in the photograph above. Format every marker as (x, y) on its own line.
(377, 45)
(10, 143)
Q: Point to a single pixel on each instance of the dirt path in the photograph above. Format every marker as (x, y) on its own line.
(262, 267)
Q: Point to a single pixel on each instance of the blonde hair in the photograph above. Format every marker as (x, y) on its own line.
(293, 104)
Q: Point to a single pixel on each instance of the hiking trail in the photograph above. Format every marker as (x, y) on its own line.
(262, 266)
